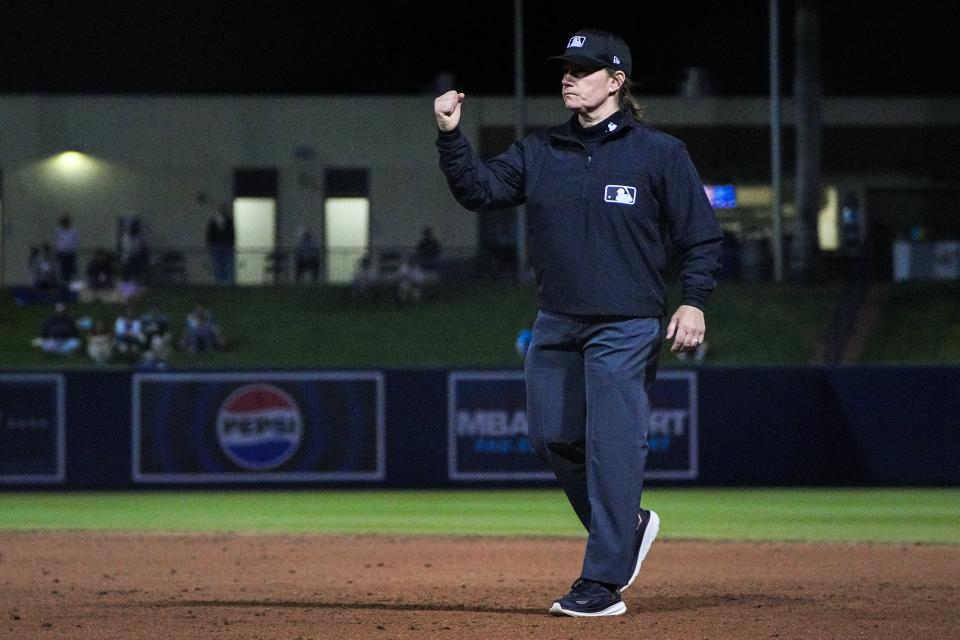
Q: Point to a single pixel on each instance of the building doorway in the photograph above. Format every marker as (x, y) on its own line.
(255, 221)
(255, 224)
(346, 228)
(3, 280)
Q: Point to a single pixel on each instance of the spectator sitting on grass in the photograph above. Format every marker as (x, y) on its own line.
(128, 339)
(99, 343)
(59, 333)
(201, 333)
(157, 336)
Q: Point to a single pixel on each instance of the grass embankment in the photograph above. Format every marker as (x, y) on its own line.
(471, 326)
(919, 322)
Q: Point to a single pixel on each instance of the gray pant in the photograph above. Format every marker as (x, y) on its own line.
(588, 380)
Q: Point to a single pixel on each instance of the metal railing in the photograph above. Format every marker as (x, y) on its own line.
(285, 265)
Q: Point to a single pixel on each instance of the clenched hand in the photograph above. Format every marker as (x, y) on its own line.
(447, 110)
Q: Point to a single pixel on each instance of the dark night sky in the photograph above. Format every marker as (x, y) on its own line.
(206, 47)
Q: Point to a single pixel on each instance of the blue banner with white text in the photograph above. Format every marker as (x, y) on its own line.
(487, 428)
(32, 447)
(285, 427)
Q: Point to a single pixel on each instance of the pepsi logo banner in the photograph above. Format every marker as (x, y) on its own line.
(259, 426)
(32, 438)
(287, 427)
(487, 428)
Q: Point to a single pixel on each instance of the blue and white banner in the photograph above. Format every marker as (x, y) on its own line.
(256, 427)
(672, 437)
(487, 428)
(32, 438)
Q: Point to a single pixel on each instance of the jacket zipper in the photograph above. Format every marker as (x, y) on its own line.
(584, 195)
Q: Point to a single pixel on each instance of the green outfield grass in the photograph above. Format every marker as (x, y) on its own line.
(855, 515)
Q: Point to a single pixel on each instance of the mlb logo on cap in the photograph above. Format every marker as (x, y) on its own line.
(595, 49)
(620, 194)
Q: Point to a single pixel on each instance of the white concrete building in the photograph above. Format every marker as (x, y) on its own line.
(99, 158)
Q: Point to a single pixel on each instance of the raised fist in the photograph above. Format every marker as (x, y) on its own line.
(447, 110)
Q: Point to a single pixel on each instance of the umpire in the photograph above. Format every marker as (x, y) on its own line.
(602, 190)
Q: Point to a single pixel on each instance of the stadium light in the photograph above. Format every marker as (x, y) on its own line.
(72, 164)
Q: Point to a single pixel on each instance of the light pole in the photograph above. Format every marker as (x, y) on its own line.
(519, 126)
(775, 149)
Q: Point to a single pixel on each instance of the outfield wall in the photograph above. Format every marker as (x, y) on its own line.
(712, 426)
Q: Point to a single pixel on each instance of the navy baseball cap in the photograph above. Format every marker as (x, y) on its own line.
(596, 48)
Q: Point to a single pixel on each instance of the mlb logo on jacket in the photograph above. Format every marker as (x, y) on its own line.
(620, 194)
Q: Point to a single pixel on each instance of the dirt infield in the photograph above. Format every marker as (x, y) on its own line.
(132, 586)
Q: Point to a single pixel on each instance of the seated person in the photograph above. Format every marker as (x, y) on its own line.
(99, 343)
(201, 333)
(59, 333)
(101, 272)
(128, 339)
(157, 337)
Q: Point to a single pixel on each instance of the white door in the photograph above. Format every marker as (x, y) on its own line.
(255, 222)
(347, 234)
(3, 272)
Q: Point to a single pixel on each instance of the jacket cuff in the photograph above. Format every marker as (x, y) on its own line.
(695, 298)
(448, 136)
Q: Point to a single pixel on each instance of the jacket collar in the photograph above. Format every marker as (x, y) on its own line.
(565, 131)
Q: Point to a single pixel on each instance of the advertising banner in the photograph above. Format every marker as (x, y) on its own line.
(487, 428)
(256, 427)
(32, 443)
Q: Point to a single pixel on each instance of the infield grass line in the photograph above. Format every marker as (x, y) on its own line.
(848, 515)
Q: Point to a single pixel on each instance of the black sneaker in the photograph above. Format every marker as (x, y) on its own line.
(588, 599)
(648, 526)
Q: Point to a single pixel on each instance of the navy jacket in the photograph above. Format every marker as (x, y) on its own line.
(595, 221)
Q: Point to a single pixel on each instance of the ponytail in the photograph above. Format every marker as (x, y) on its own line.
(628, 99)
